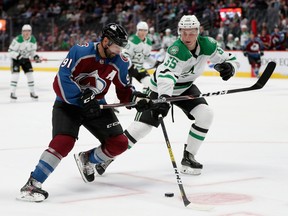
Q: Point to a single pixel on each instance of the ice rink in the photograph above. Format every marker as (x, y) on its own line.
(245, 157)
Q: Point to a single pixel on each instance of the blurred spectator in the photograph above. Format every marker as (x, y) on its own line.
(244, 36)
(277, 39)
(237, 43)
(3, 13)
(203, 32)
(220, 41)
(265, 38)
(63, 41)
(223, 30)
(230, 44)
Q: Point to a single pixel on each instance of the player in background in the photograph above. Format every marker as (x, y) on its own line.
(138, 51)
(22, 48)
(155, 38)
(184, 62)
(253, 49)
(167, 40)
(83, 79)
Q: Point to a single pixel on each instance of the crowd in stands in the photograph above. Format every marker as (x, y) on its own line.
(60, 24)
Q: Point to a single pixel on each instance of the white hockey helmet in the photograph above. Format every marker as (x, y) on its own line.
(142, 25)
(26, 27)
(188, 22)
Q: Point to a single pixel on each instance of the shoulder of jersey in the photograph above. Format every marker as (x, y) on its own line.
(148, 41)
(124, 57)
(19, 38)
(33, 39)
(207, 45)
(178, 49)
(79, 51)
(134, 39)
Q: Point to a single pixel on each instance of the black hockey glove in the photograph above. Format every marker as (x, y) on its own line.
(91, 108)
(37, 59)
(138, 75)
(160, 108)
(142, 101)
(225, 69)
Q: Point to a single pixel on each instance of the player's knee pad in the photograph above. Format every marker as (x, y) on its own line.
(116, 145)
(203, 115)
(137, 130)
(62, 145)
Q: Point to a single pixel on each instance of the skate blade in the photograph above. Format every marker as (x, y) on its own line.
(80, 168)
(190, 171)
(27, 197)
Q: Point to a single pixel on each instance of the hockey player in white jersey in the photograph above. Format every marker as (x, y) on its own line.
(22, 48)
(184, 62)
(138, 51)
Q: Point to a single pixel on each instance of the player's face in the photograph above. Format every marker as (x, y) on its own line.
(113, 50)
(189, 37)
(142, 33)
(26, 34)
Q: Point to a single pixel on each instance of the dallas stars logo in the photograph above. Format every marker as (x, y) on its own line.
(173, 50)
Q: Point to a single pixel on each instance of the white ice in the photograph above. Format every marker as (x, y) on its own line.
(245, 157)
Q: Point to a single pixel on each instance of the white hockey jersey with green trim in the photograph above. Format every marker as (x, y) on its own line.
(26, 48)
(138, 51)
(181, 68)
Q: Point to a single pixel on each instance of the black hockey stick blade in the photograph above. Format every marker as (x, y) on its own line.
(261, 81)
(258, 85)
(265, 76)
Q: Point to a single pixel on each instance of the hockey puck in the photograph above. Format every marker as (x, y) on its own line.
(169, 194)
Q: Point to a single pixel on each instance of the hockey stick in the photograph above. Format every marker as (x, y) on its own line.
(179, 181)
(258, 85)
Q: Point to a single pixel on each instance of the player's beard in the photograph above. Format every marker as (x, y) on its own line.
(108, 53)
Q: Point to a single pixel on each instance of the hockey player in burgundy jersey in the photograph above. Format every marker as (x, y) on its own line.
(81, 84)
(253, 49)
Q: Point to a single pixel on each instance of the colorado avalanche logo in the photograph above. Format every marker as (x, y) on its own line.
(92, 81)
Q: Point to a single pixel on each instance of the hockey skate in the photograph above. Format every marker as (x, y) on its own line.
(33, 96)
(86, 168)
(189, 164)
(32, 191)
(101, 168)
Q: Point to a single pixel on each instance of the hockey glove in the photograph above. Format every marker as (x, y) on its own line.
(91, 108)
(225, 69)
(37, 59)
(138, 75)
(142, 101)
(160, 108)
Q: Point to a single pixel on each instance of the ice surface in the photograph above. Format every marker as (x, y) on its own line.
(244, 155)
